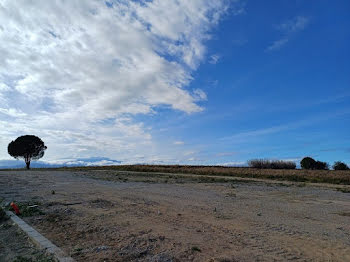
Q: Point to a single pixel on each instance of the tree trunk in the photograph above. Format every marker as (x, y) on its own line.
(28, 164)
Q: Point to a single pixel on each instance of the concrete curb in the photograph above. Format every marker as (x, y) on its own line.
(39, 239)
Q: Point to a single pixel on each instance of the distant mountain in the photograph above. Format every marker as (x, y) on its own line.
(11, 164)
(92, 161)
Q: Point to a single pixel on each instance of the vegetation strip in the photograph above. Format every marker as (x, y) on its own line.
(39, 239)
(340, 177)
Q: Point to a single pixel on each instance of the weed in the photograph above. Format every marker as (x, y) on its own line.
(6, 226)
(53, 218)
(231, 194)
(3, 215)
(38, 258)
(345, 214)
(344, 190)
(28, 209)
(22, 259)
(77, 250)
(196, 249)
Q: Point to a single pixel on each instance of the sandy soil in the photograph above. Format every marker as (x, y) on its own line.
(93, 219)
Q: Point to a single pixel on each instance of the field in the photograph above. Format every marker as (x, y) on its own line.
(181, 213)
(314, 176)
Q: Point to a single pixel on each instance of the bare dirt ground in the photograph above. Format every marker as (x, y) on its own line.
(112, 216)
(15, 246)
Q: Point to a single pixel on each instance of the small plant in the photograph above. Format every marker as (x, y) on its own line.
(3, 215)
(340, 166)
(28, 209)
(38, 258)
(22, 259)
(344, 190)
(196, 249)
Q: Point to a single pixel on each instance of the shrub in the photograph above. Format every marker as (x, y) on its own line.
(280, 164)
(258, 163)
(340, 166)
(321, 165)
(308, 163)
(271, 164)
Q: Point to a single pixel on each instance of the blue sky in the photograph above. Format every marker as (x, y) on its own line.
(178, 82)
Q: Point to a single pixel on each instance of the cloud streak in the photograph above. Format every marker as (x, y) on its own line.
(248, 135)
(288, 29)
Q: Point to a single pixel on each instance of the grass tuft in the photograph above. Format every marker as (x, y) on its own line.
(196, 249)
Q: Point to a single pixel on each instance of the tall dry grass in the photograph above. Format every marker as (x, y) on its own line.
(315, 176)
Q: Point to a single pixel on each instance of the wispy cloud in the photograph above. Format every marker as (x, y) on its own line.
(288, 29)
(294, 25)
(214, 59)
(277, 44)
(242, 136)
(223, 154)
(179, 142)
(199, 95)
(233, 163)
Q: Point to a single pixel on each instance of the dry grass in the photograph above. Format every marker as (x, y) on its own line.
(314, 176)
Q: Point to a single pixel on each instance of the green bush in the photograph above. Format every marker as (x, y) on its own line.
(340, 166)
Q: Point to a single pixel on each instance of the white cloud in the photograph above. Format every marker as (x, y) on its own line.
(214, 59)
(233, 163)
(292, 159)
(179, 143)
(296, 24)
(4, 87)
(76, 68)
(13, 112)
(288, 28)
(223, 154)
(199, 95)
(277, 44)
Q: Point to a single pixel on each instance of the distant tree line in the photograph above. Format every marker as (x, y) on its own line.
(340, 166)
(305, 163)
(310, 163)
(271, 164)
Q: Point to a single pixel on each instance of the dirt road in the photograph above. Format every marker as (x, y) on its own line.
(93, 219)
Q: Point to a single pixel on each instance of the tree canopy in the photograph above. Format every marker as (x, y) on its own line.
(340, 166)
(310, 163)
(27, 147)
